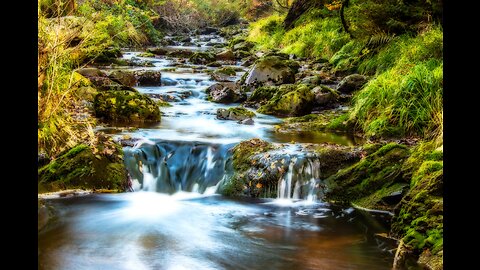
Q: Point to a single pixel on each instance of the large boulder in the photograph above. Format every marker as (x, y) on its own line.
(157, 50)
(236, 114)
(148, 77)
(86, 167)
(225, 92)
(125, 106)
(351, 83)
(243, 46)
(290, 100)
(271, 70)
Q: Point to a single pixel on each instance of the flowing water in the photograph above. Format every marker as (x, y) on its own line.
(175, 220)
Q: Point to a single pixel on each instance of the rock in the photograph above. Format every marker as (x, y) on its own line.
(157, 51)
(236, 113)
(230, 71)
(248, 121)
(168, 42)
(214, 64)
(225, 55)
(101, 81)
(324, 95)
(125, 106)
(243, 46)
(225, 92)
(86, 167)
(219, 77)
(185, 39)
(189, 44)
(148, 77)
(202, 58)
(248, 61)
(168, 82)
(290, 100)
(262, 94)
(351, 83)
(91, 72)
(123, 77)
(208, 30)
(271, 69)
(180, 53)
(241, 54)
(311, 81)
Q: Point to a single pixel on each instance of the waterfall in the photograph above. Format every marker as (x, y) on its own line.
(302, 177)
(172, 166)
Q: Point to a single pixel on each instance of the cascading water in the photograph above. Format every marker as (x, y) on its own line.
(301, 181)
(172, 166)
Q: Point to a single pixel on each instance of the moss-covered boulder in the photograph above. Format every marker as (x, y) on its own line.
(202, 58)
(125, 106)
(351, 83)
(239, 184)
(86, 167)
(272, 70)
(290, 100)
(236, 114)
(148, 77)
(373, 178)
(230, 71)
(181, 53)
(324, 95)
(225, 92)
(261, 95)
(335, 157)
(418, 219)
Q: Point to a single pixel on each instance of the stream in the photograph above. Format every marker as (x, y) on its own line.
(175, 219)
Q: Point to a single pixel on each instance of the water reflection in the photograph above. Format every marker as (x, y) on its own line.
(190, 231)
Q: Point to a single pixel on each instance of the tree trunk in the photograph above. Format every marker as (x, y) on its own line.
(298, 8)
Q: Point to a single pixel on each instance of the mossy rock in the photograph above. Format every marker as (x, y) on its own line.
(290, 100)
(335, 157)
(123, 77)
(148, 77)
(263, 94)
(156, 51)
(85, 167)
(125, 106)
(418, 219)
(226, 55)
(368, 181)
(236, 113)
(202, 58)
(273, 70)
(230, 71)
(352, 83)
(243, 46)
(243, 152)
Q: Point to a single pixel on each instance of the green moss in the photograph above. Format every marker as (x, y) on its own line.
(263, 94)
(246, 149)
(84, 167)
(162, 103)
(202, 58)
(230, 71)
(372, 178)
(293, 100)
(146, 54)
(125, 106)
(241, 111)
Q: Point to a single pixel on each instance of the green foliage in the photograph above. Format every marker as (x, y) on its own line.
(268, 32)
(401, 101)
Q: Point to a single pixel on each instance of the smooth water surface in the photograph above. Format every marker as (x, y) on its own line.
(147, 230)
